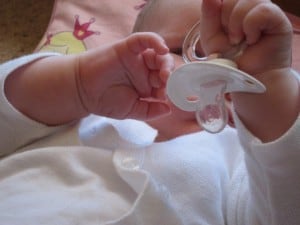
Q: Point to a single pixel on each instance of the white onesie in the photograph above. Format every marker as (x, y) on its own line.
(105, 171)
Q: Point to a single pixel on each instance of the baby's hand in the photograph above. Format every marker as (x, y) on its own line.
(125, 79)
(260, 24)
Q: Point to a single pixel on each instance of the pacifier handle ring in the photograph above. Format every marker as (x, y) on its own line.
(193, 37)
(189, 45)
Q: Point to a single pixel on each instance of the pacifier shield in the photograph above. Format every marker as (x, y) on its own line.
(200, 87)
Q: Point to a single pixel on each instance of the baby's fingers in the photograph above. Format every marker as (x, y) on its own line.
(233, 15)
(265, 19)
(138, 42)
(148, 54)
(151, 71)
(213, 36)
(250, 19)
(162, 64)
(159, 68)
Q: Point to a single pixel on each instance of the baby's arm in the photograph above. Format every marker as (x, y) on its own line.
(112, 80)
(268, 33)
(272, 194)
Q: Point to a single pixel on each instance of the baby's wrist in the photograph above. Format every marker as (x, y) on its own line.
(277, 81)
(277, 108)
(273, 76)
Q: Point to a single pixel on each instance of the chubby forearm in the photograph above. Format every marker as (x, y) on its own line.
(119, 80)
(269, 115)
(45, 90)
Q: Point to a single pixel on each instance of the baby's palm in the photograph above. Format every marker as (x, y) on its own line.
(131, 77)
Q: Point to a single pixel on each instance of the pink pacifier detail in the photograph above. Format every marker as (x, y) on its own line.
(200, 84)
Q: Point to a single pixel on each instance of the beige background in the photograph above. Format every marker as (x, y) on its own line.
(23, 23)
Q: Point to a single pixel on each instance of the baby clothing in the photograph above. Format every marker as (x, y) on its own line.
(106, 171)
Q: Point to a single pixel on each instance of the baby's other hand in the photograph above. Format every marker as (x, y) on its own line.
(260, 24)
(126, 79)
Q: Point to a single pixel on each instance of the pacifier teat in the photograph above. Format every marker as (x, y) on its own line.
(211, 112)
(200, 84)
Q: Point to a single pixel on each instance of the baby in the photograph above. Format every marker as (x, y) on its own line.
(117, 80)
(219, 33)
(107, 171)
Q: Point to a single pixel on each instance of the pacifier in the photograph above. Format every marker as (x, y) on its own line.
(201, 83)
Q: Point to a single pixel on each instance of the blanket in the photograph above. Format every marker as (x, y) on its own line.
(77, 25)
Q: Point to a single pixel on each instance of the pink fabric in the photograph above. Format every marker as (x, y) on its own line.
(77, 25)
